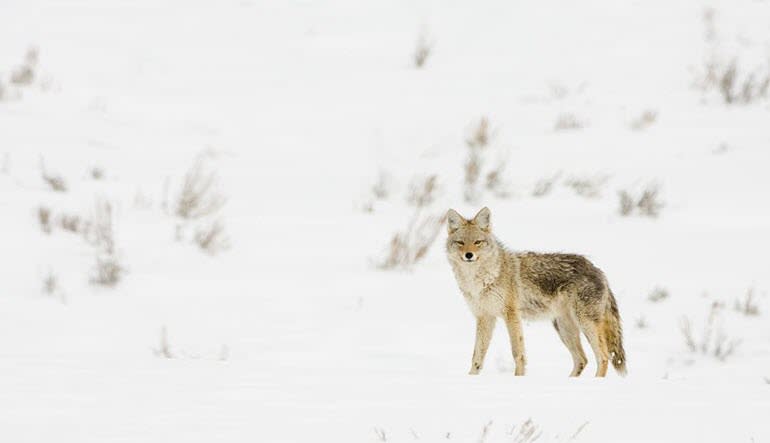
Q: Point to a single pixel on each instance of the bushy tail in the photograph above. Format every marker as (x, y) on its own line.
(614, 335)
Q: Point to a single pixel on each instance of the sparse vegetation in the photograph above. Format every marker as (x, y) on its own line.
(484, 432)
(566, 122)
(198, 204)
(44, 219)
(164, 348)
(50, 286)
(97, 173)
(713, 341)
(529, 432)
(198, 197)
(735, 84)
(50, 283)
(478, 141)
(495, 182)
(410, 245)
(24, 74)
(422, 191)
(108, 270)
(422, 50)
(648, 203)
(383, 186)
(55, 182)
(588, 187)
(545, 185)
(658, 294)
(212, 238)
(73, 223)
(381, 435)
(641, 322)
(747, 305)
(644, 120)
(626, 203)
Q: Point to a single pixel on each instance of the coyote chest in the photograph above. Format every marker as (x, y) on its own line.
(481, 290)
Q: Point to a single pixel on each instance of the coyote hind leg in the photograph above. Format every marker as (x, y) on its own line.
(593, 332)
(569, 333)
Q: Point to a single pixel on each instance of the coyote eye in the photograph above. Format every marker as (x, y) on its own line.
(459, 243)
(478, 242)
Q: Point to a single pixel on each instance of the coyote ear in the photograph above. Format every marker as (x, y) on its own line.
(482, 219)
(453, 220)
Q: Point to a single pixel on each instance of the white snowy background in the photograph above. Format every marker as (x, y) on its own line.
(302, 110)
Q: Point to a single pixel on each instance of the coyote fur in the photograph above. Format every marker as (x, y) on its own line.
(565, 288)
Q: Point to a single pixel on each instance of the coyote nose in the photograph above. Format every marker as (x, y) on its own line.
(469, 255)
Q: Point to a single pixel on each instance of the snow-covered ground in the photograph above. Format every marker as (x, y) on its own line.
(293, 334)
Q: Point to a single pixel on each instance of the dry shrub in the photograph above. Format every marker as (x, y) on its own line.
(484, 432)
(472, 172)
(382, 187)
(481, 135)
(566, 122)
(648, 203)
(97, 173)
(626, 203)
(529, 432)
(50, 286)
(73, 223)
(747, 305)
(658, 294)
(724, 75)
(44, 219)
(544, 186)
(199, 201)
(164, 348)
(212, 238)
(495, 182)
(713, 341)
(479, 139)
(108, 269)
(422, 191)
(588, 187)
(198, 197)
(644, 121)
(734, 84)
(50, 283)
(24, 74)
(412, 244)
(422, 50)
(55, 182)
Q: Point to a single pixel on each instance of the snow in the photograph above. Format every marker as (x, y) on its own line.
(292, 334)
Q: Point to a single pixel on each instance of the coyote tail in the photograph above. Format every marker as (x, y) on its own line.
(614, 335)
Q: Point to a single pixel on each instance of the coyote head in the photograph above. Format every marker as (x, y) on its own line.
(469, 240)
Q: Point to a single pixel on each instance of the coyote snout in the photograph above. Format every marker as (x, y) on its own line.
(565, 288)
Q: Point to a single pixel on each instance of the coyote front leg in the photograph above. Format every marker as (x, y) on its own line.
(513, 322)
(484, 328)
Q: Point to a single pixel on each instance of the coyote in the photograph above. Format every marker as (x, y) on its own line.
(565, 288)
